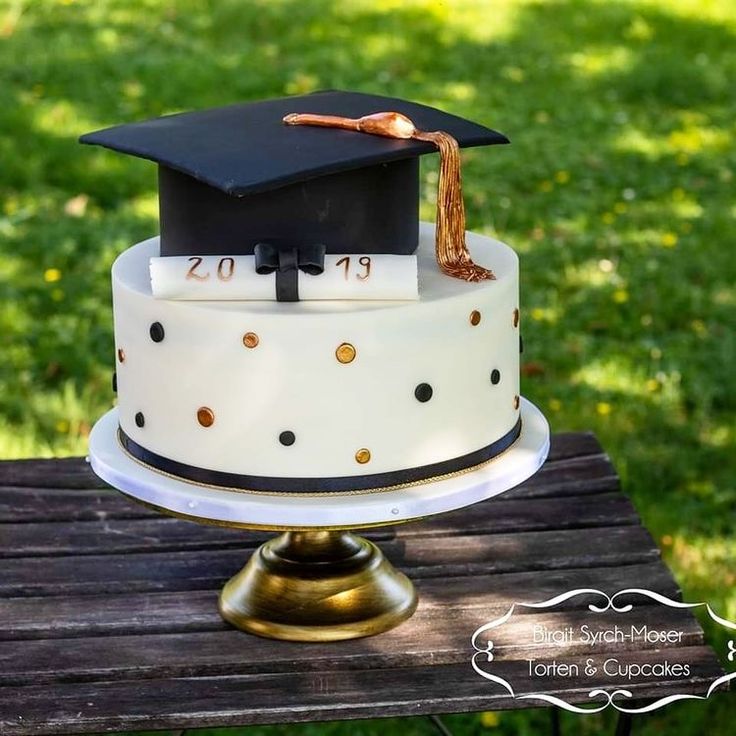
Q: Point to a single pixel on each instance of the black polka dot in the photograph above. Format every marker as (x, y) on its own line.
(157, 332)
(114, 381)
(287, 438)
(140, 420)
(495, 376)
(423, 392)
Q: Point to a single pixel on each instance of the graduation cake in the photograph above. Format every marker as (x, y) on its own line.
(295, 328)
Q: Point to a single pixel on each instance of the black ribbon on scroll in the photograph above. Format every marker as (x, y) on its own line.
(287, 262)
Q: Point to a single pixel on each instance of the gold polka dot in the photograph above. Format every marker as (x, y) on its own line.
(363, 455)
(121, 355)
(516, 317)
(345, 353)
(475, 318)
(250, 340)
(516, 402)
(205, 416)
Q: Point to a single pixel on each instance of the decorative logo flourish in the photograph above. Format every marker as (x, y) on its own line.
(484, 651)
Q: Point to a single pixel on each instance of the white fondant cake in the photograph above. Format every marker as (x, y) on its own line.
(329, 395)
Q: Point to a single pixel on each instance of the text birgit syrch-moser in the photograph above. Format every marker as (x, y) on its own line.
(586, 634)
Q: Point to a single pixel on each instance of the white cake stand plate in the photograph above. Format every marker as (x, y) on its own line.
(317, 581)
(303, 510)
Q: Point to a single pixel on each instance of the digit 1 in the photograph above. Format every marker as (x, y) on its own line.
(346, 261)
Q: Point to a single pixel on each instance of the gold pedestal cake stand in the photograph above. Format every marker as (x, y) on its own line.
(317, 586)
(317, 581)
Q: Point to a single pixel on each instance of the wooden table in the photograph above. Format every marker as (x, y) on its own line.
(109, 618)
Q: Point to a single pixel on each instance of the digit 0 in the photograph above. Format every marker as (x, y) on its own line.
(222, 273)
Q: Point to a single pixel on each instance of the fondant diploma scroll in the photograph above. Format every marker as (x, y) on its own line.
(221, 278)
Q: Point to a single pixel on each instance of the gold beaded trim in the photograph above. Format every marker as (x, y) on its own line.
(320, 494)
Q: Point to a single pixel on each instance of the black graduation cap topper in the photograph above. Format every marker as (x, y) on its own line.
(232, 177)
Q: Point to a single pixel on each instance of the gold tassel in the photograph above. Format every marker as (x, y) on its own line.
(452, 253)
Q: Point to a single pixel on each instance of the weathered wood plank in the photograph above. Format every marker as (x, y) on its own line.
(570, 477)
(19, 504)
(422, 557)
(441, 636)
(564, 477)
(58, 472)
(133, 613)
(160, 533)
(507, 514)
(294, 697)
(498, 515)
(573, 444)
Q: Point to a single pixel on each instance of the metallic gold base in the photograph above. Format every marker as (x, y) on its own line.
(317, 586)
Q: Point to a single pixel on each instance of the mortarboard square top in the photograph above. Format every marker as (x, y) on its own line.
(233, 176)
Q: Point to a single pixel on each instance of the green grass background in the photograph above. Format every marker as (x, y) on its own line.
(617, 192)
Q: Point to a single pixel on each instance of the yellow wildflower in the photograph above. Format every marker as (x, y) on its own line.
(699, 327)
(603, 408)
(302, 83)
(669, 239)
(50, 275)
(489, 719)
(537, 314)
(513, 73)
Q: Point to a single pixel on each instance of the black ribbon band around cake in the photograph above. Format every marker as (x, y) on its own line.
(286, 263)
(340, 484)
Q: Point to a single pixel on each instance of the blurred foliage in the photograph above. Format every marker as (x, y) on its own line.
(617, 192)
